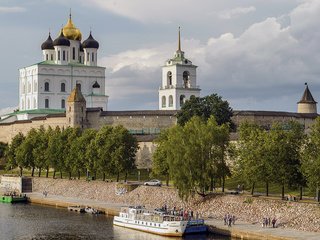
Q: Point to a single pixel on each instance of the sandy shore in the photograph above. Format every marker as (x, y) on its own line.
(295, 215)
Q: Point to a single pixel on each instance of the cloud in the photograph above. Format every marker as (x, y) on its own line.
(164, 11)
(265, 67)
(11, 9)
(236, 12)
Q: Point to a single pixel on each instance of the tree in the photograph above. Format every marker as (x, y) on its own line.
(100, 151)
(39, 150)
(11, 153)
(123, 152)
(270, 155)
(79, 149)
(311, 158)
(55, 151)
(3, 149)
(70, 137)
(285, 152)
(193, 153)
(204, 108)
(253, 163)
(160, 161)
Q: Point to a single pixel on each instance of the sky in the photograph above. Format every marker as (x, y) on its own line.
(256, 54)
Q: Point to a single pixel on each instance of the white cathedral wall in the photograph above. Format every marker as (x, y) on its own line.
(32, 84)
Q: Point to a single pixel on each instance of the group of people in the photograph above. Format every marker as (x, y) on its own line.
(186, 214)
(229, 219)
(266, 222)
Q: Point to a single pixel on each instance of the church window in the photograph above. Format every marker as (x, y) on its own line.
(163, 104)
(46, 87)
(63, 103)
(46, 103)
(34, 103)
(59, 55)
(80, 60)
(186, 79)
(73, 53)
(63, 87)
(169, 78)
(88, 56)
(47, 57)
(51, 57)
(69, 120)
(28, 103)
(82, 109)
(92, 57)
(182, 98)
(69, 109)
(63, 55)
(170, 101)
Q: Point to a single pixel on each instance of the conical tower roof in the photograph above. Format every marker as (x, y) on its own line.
(76, 95)
(307, 96)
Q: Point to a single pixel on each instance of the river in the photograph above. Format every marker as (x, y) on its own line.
(34, 222)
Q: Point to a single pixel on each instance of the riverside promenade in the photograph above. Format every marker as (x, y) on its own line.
(241, 230)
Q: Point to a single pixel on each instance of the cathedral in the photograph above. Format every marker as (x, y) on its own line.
(67, 89)
(66, 62)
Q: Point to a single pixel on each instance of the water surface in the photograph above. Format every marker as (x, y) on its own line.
(35, 222)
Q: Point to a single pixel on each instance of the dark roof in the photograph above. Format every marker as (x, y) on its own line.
(48, 44)
(273, 114)
(307, 96)
(61, 40)
(140, 113)
(76, 95)
(96, 85)
(90, 42)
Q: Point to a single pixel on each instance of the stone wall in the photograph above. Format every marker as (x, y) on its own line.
(146, 125)
(9, 130)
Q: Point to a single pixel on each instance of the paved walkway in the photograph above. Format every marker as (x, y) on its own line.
(240, 229)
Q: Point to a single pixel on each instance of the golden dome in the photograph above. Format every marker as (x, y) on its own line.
(71, 32)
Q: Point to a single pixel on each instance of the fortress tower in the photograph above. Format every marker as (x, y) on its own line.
(76, 111)
(179, 81)
(66, 62)
(307, 104)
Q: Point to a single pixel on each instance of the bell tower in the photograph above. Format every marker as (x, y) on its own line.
(179, 81)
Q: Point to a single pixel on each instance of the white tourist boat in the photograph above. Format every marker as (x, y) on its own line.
(140, 218)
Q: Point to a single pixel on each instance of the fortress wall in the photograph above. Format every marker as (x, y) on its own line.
(9, 130)
(133, 122)
(267, 121)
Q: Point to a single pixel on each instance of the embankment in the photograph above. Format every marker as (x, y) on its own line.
(300, 216)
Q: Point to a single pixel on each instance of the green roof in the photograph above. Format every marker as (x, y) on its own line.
(39, 111)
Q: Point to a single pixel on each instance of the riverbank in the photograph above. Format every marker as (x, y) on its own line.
(250, 210)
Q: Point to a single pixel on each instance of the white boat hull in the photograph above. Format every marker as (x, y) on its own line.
(166, 228)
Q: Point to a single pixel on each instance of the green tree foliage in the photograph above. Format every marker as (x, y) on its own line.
(55, 151)
(311, 157)
(204, 108)
(39, 149)
(123, 152)
(79, 148)
(270, 155)
(193, 153)
(11, 153)
(160, 161)
(111, 150)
